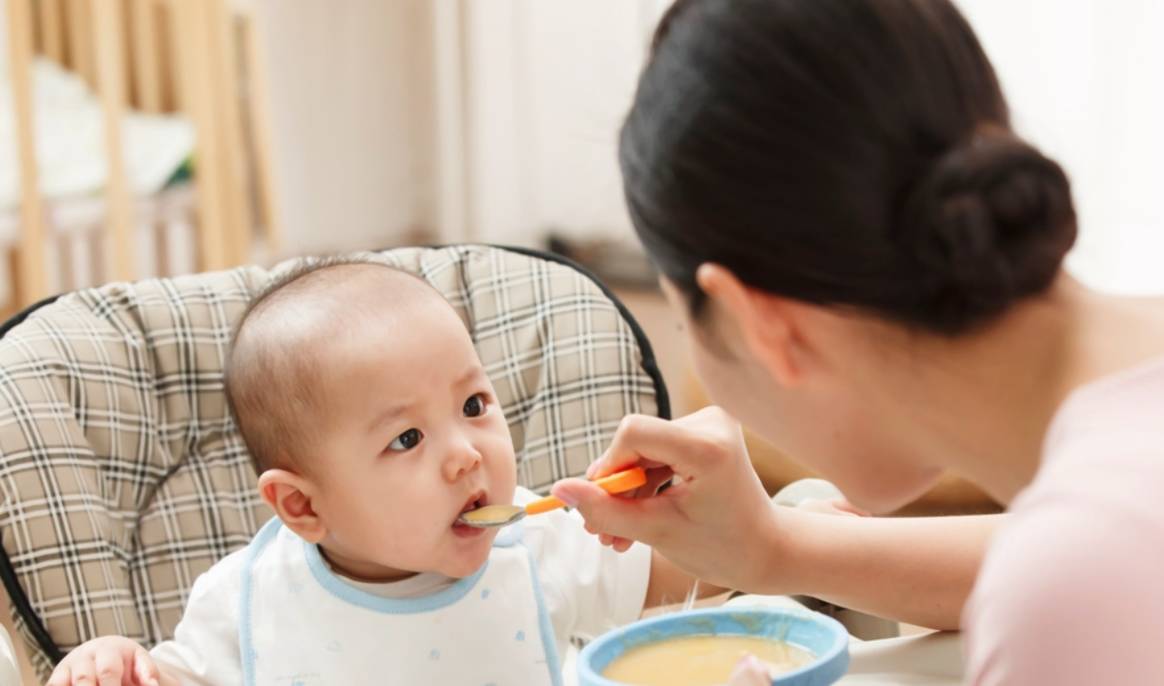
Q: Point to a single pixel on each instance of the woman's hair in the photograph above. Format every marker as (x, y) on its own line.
(840, 152)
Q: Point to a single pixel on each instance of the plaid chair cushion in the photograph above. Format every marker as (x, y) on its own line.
(123, 477)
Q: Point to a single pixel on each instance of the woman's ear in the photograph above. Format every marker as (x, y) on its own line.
(765, 323)
(289, 495)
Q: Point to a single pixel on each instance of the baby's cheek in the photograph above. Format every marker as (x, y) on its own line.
(501, 457)
(412, 545)
(505, 478)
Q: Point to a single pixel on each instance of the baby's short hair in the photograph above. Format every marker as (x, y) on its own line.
(270, 381)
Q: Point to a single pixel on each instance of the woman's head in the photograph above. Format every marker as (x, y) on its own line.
(855, 156)
(840, 153)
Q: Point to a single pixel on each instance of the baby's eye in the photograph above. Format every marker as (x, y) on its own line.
(475, 405)
(406, 441)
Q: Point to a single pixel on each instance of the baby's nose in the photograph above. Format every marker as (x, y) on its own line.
(462, 459)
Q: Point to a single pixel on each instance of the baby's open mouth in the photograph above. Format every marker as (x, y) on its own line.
(476, 500)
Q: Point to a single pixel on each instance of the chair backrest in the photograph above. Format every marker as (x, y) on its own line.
(123, 477)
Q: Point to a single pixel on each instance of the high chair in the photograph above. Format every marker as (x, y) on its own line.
(124, 478)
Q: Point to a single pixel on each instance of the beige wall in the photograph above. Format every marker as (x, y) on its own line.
(486, 121)
(494, 120)
(351, 108)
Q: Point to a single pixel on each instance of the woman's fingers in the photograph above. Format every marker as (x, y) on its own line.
(687, 447)
(109, 667)
(84, 672)
(683, 444)
(715, 507)
(145, 670)
(108, 661)
(656, 477)
(750, 672)
(633, 518)
(61, 676)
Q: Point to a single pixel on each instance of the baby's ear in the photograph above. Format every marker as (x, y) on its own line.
(289, 495)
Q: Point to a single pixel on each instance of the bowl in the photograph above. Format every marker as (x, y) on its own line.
(822, 636)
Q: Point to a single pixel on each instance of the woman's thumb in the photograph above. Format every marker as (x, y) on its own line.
(144, 669)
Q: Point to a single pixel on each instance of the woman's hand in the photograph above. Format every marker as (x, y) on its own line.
(715, 521)
(109, 661)
(750, 672)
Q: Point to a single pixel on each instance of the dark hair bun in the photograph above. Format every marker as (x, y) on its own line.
(987, 225)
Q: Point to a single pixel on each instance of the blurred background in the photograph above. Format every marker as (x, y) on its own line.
(141, 138)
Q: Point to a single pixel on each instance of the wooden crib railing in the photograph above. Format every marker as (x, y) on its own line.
(199, 58)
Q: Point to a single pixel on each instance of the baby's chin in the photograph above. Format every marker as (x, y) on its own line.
(468, 562)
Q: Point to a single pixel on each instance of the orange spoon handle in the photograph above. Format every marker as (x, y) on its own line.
(613, 483)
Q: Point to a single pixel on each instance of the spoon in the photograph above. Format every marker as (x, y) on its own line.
(503, 515)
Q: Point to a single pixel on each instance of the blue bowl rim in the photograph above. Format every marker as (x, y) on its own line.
(838, 649)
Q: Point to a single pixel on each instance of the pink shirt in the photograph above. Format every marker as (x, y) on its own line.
(1072, 588)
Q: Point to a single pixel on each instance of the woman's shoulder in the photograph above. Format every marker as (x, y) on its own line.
(1071, 586)
(1104, 451)
(1095, 497)
(1118, 410)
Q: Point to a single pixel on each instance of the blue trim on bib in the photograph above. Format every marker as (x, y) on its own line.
(401, 606)
(549, 640)
(245, 644)
(350, 594)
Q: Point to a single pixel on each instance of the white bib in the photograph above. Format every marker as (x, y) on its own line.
(303, 626)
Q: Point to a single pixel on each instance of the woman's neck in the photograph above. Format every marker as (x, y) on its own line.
(993, 395)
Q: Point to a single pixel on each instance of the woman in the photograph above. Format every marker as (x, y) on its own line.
(868, 260)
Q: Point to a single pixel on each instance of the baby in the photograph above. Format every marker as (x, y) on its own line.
(373, 427)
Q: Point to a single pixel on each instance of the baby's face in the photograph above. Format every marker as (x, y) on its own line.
(413, 437)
